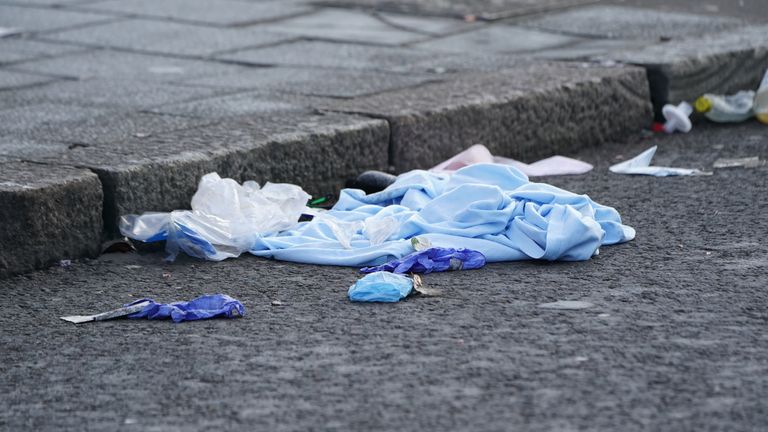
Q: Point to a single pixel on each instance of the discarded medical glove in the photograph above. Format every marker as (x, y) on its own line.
(203, 307)
(433, 259)
(381, 287)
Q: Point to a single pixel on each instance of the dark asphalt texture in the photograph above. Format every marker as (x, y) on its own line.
(675, 341)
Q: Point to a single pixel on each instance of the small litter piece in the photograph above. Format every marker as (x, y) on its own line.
(478, 153)
(134, 307)
(761, 100)
(641, 165)
(420, 289)
(8, 31)
(567, 305)
(115, 246)
(203, 307)
(420, 243)
(726, 108)
(381, 287)
(371, 181)
(678, 117)
(433, 259)
(747, 162)
(551, 166)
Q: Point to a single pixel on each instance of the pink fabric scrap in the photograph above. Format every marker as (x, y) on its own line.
(478, 153)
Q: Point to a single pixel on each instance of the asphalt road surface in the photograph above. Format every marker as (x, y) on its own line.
(675, 340)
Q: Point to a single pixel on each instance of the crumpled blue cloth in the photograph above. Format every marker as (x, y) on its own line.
(203, 307)
(432, 259)
(381, 287)
(490, 208)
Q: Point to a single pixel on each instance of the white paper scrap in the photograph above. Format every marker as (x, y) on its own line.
(641, 165)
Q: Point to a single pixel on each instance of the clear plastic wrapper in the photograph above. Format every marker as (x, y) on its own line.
(225, 220)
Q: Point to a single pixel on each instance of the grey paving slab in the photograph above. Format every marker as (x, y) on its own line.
(589, 48)
(717, 63)
(498, 39)
(221, 107)
(10, 79)
(14, 147)
(107, 129)
(353, 56)
(26, 118)
(49, 213)
(218, 12)
(106, 63)
(424, 25)
(353, 26)
(13, 50)
(629, 23)
(31, 19)
(85, 125)
(527, 112)
(160, 172)
(330, 55)
(167, 37)
(750, 10)
(486, 9)
(315, 82)
(47, 2)
(111, 94)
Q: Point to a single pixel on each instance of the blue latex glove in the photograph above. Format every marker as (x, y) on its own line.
(433, 259)
(203, 307)
(381, 287)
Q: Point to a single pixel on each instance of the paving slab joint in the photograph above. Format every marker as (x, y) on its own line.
(391, 163)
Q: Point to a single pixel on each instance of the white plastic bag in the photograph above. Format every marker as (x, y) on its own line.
(225, 220)
(379, 229)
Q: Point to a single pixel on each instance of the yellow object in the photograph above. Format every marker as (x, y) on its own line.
(761, 104)
(761, 100)
(703, 104)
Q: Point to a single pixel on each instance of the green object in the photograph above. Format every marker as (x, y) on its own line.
(317, 202)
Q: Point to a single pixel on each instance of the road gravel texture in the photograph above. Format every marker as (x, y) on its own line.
(674, 341)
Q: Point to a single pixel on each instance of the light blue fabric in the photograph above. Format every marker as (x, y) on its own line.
(490, 208)
(381, 287)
